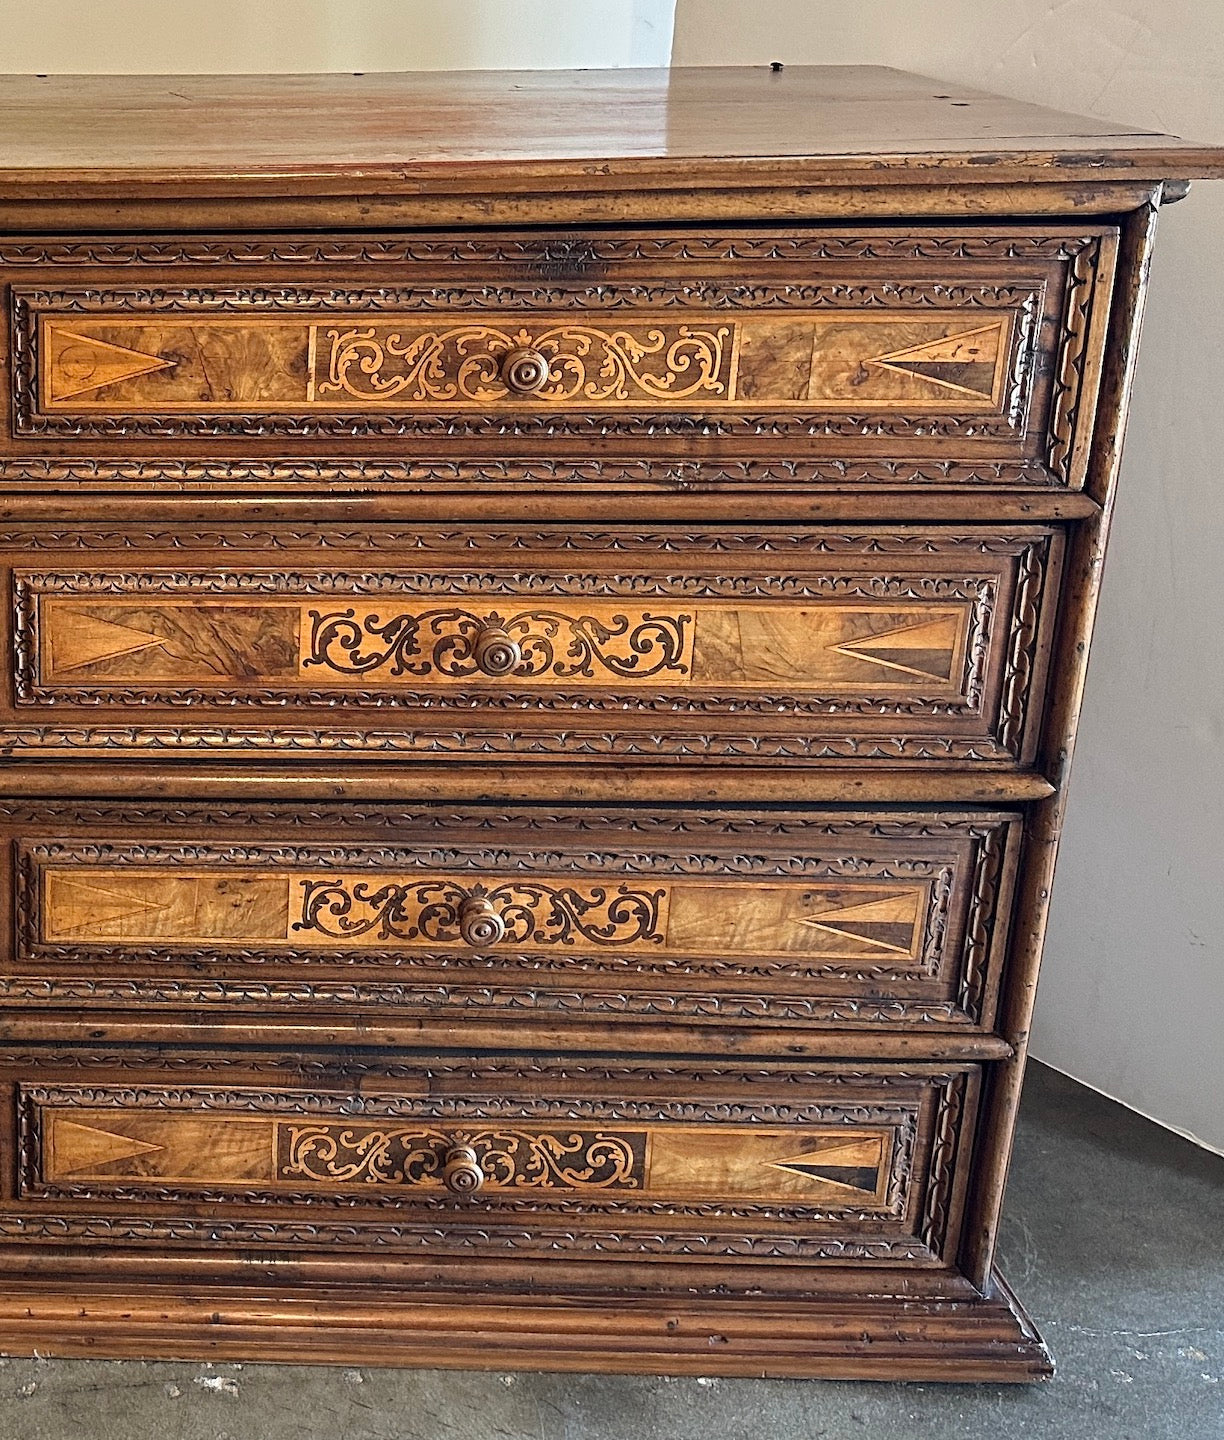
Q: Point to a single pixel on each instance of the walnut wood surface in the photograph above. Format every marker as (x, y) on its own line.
(842, 920)
(585, 1162)
(292, 134)
(972, 1338)
(787, 645)
(545, 625)
(971, 354)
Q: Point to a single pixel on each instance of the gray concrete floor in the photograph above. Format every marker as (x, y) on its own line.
(1114, 1239)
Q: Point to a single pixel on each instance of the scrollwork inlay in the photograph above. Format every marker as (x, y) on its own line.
(447, 642)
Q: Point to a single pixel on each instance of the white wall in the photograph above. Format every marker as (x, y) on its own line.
(68, 37)
(1132, 993)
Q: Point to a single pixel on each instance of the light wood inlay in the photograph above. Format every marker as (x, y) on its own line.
(336, 641)
(835, 360)
(835, 1165)
(880, 923)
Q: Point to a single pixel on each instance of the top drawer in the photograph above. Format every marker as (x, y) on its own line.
(879, 357)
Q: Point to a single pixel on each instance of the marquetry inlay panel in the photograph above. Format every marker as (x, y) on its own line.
(867, 645)
(827, 1167)
(380, 1154)
(823, 360)
(881, 919)
(908, 646)
(840, 921)
(962, 347)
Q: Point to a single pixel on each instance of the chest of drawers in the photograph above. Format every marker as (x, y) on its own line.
(546, 620)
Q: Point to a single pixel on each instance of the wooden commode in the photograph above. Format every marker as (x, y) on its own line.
(546, 622)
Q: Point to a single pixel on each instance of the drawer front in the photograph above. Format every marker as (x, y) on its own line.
(863, 646)
(591, 1160)
(870, 919)
(973, 346)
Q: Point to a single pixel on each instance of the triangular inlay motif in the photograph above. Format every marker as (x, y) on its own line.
(80, 363)
(966, 362)
(852, 1165)
(886, 923)
(95, 904)
(926, 648)
(83, 1148)
(78, 640)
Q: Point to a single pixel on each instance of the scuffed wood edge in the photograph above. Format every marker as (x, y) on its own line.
(983, 1340)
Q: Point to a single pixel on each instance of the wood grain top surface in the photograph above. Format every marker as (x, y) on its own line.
(430, 132)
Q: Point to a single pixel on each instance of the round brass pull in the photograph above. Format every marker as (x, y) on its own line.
(462, 1174)
(496, 652)
(479, 922)
(524, 370)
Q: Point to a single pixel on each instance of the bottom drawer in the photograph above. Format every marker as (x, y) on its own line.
(447, 1157)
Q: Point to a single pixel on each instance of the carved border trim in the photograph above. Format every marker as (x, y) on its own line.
(169, 740)
(320, 1069)
(387, 472)
(488, 1000)
(28, 420)
(1027, 607)
(980, 590)
(767, 827)
(904, 1118)
(1081, 287)
(937, 1205)
(390, 1238)
(571, 253)
(980, 922)
(512, 541)
(32, 857)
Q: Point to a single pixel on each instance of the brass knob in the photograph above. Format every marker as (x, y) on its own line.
(524, 370)
(496, 652)
(462, 1174)
(479, 923)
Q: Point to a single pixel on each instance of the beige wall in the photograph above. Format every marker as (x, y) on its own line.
(224, 36)
(1132, 995)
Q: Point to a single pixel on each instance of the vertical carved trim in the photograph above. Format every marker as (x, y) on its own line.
(1018, 670)
(983, 901)
(936, 1211)
(1068, 382)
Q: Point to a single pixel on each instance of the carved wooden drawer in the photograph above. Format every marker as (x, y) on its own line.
(945, 356)
(834, 919)
(909, 645)
(391, 1158)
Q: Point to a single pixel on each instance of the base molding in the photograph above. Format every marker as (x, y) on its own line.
(985, 1339)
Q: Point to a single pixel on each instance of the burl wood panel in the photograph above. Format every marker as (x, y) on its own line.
(909, 646)
(973, 356)
(877, 919)
(827, 1167)
(822, 361)
(811, 1164)
(854, 922)
(860, 645)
